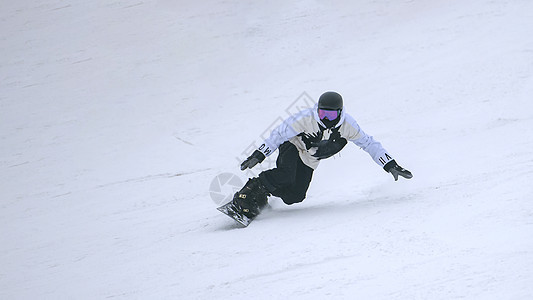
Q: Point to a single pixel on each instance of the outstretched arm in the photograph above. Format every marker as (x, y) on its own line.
(376, 150)
(278, 136)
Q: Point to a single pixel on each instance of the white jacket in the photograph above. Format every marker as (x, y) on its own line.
(306, 123)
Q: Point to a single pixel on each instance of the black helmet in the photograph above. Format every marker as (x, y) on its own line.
(330, 101)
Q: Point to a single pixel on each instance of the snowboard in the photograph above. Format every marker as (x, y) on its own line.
(229, 210)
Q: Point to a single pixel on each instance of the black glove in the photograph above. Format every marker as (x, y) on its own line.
(252, 160)
(393, 168)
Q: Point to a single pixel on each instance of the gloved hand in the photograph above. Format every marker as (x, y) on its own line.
(395, 169)
(252, 160)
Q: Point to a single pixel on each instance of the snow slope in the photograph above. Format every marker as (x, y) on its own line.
(117, 115)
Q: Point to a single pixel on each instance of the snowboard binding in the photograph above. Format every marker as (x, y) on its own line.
(247, 203)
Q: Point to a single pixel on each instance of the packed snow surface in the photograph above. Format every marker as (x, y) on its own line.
(119, 117)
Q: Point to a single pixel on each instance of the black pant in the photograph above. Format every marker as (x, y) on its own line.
(291, 177)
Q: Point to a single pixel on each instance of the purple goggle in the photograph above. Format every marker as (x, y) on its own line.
(329, 114)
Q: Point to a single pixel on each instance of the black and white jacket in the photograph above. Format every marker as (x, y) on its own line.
(314, 142)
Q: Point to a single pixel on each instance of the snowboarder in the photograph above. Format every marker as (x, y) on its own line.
(303, 140)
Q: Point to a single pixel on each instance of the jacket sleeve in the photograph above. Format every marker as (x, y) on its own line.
(279, 135)
(367, 142)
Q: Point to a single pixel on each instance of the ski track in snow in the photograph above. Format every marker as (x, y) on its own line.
(116, 116)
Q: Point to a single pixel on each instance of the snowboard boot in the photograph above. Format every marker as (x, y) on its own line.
(251, 199)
